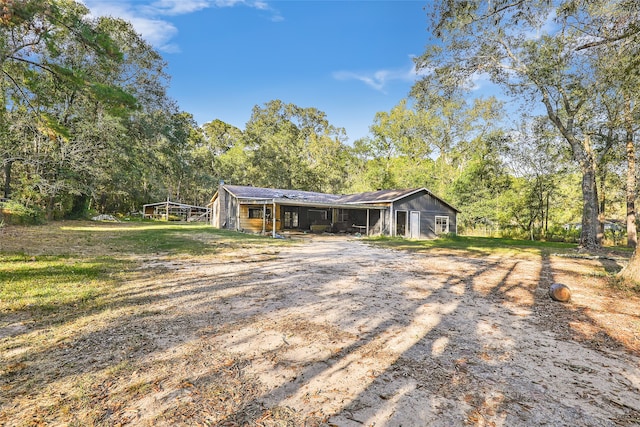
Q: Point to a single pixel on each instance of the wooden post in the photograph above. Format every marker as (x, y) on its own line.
(273, 220)
(367, 233)
(264, 217)
(239, 207)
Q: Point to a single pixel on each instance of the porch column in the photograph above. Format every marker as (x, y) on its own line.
(273, 220)
(367, 222)
(238, 217)
(264, 217)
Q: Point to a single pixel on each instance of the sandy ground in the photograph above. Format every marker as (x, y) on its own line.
(335, 332)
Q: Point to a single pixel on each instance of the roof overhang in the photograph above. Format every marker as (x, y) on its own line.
(311, 204)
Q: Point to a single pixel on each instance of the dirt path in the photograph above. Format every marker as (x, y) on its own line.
(335, 332)
(372, 336)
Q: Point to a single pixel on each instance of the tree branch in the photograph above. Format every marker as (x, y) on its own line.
(633, 30)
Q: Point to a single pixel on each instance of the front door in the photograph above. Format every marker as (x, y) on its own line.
(401, 223)
(291, 218)
(414, 225)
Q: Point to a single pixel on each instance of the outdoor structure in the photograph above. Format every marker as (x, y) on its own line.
(173, 211)
(415, 213)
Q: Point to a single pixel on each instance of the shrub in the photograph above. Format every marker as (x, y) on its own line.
(12, 212)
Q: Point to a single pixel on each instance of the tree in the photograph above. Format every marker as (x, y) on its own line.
(397, 149)
(479, 189)
(618, 102)
(424, 145)
(539, 163)
(90, 121)
(224, 154)
(294, 147)
(508, 42)
(33, 35)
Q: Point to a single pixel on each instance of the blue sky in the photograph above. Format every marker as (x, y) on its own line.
(349, 59)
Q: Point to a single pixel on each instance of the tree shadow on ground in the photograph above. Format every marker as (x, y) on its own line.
(485, 361)
(325, 333)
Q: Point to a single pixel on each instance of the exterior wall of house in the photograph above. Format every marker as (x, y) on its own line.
(214, 220)
(224, 211)
(255, 225)
(429, 208)
(433, 214)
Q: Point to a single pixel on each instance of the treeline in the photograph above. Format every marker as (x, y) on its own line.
(88, 126)
(86, 122)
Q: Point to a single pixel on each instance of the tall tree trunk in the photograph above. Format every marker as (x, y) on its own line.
(632, 234)
(546, 217)
(632, 270)
(602, 201)
(7, 179)
(589, 236)
(584, 156)
(51, 202)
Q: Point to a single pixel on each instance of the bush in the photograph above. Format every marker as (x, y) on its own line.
(560, 234)
(12, 212)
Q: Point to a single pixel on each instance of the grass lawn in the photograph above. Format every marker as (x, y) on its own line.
(71, 265)
(485, 246)
(134, 323)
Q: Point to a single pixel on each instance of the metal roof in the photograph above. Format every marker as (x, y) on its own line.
(181, 205)
(380, 196)
(247, 192)
(298, 197)
(388, 196)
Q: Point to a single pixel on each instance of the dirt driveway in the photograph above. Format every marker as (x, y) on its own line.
(337, 332)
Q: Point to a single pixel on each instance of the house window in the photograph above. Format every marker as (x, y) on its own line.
(257, 212)
(442, 224)
(318, 214)
(343, 215)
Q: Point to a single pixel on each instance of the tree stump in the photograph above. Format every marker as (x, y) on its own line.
(559, 292)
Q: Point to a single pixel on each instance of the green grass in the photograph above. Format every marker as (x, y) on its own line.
(72, 265)
(167, 238)
(52, 282)
(475, 245)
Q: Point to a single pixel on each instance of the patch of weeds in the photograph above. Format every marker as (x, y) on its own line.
(622, 284)
(482, 246)
(122, 368)
(139, 389)
(50, 283)
(171, 239)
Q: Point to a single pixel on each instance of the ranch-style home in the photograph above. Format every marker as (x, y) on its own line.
(415, 213)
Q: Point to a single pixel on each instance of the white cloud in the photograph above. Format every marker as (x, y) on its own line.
(147, 16)
(380, 79)
(228, 3)
(261, 5)
(178, 7)
(158, 32)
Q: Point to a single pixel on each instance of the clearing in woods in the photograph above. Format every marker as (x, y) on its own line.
(326, 331)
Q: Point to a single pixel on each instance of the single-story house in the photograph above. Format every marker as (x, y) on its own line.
(415, 213)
